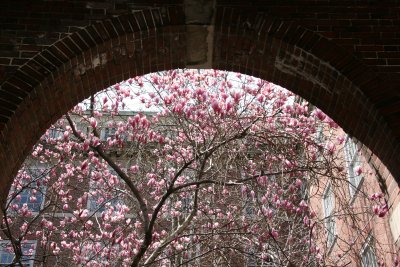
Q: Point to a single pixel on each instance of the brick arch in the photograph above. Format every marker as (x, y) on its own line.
(72, 69)
(105, 53)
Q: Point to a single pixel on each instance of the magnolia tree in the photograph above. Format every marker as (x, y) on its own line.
(211, 169)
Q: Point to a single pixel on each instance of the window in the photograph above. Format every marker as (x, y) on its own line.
(186, 204)
(83, 128)
(249, 210)
(352, 159)
(368, 258)
(32, 194)
(328, 204)
(97, 203)
(251, 260)
(304, 189)
(108, 132)
(320, 138)
(55, 133)
(7, 254)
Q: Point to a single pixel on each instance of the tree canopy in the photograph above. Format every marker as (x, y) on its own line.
(181, 168)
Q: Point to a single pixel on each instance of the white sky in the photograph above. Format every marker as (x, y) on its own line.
(136, 105)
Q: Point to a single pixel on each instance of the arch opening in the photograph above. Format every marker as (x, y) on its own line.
(298, 165)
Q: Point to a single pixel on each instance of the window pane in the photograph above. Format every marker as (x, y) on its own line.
(330, 228)
(353, 161)
(368, 256)
(328, 204)
(32, 193)
(7, 255)
(109, 132)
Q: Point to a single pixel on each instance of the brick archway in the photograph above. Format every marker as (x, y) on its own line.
(247, 41)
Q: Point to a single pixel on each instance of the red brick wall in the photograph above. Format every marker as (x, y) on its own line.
(353, 229)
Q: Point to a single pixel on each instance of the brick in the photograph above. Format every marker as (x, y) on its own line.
(5, 61)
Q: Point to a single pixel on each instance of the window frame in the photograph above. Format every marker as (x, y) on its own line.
(42, 192)
(352, 161)
(251, 258)
(320, 141)
(369, 247)
(55, 133)
(27, 262)
(329, 219)
(108, 132)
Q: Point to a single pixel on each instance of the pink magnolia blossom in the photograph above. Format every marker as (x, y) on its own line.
(93, 122)
(358, 170)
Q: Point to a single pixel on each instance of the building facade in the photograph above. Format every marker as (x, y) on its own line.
(360, 213)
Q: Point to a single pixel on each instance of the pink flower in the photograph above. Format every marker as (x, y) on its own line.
(66, 135)
(376, 196)
(340, 140)
(95, 142)
(151, 182)
(298, 183)
(303, 205)
(383, 211)
(274, 233)
(375, 208)
(331, 148)
(86, 144)
(319, 114)
(264, 200)
(292, 188)
(215, 106)
(228, 106)
(93, 122)
(236, 96)
(313, 214)
(331, 123)
(358, 170)
(306, 221)
(84, 165)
